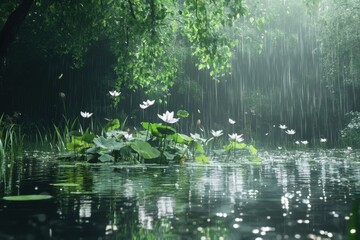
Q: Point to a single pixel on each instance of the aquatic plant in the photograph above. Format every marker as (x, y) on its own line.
(216, 133)
(304, 142)
(236, 143)
(11, 137)
(146, 104)
(168, 117)
(86, 114)
(114, 93)
(157, 143)
(290, 132)
(2, 152)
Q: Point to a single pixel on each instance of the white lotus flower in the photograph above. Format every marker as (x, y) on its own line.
(128, 136)
(86, 114)
(168, 117)
(231, 121)
(114, 93)
(282, 126)
(147, 104)
(217, 133)
(290, 131)
(235, 137)
(305, 142)
(323, 140)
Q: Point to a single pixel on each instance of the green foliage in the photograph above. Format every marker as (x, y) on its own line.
(157, 129)
(113, 125)
(252, 149)
(2, 151)
(108, 143)
(147, 38)
(144, 149)
(80, 142)
(21, 198)
(350, 134)
(204, 25)
(202, 158)
(11, 137)
(182, 113)
(340, 43)
(235, 146)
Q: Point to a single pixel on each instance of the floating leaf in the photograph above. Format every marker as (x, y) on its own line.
(27, 197)
(82, 193)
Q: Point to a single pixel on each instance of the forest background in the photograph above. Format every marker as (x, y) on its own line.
(262, 63)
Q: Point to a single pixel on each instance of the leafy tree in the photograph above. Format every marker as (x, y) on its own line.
(340, 42)
(144, 36)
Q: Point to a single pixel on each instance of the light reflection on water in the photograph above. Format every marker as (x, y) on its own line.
(290, 195)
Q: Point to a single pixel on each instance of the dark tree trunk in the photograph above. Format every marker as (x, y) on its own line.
(12, 25)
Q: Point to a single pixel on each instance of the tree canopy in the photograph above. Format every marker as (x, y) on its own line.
(145, 37)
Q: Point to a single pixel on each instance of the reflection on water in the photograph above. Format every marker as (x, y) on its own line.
(291, 195)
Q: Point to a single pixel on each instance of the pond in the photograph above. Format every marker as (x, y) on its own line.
(311, 194)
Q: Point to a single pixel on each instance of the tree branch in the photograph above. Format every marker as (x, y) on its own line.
(12, 25)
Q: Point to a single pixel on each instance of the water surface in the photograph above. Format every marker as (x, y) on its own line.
(290, 195)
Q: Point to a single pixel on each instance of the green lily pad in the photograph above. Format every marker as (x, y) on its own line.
(82, 193)
(65, 184)
(27, 197)
(67, 166)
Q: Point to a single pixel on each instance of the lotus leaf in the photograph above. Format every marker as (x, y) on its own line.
(27, 197)
(108, 143)
(114, 124)
(144, 149)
